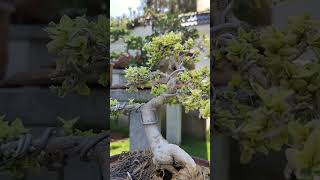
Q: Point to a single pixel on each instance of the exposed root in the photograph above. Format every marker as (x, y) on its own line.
(140, 166)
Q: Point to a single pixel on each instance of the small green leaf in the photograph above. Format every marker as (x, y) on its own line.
(83, 89)
(246, 155)
(68, 125)
(297, 159)
(16, 128)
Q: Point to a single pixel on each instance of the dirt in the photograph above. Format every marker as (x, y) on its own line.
(115, 136)
(139, 166)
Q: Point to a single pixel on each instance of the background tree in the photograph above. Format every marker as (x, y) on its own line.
(172, 6)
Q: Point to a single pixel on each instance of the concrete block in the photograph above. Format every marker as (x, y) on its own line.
(138, 138)
(221, 157)
(118, 78)
(174, 123)
(18, 57)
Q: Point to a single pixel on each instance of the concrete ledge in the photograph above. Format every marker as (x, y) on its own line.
(24, 32)
(38, 106)
(123, 95)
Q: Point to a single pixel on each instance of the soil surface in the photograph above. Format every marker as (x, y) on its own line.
(139, 166)
(115, 136)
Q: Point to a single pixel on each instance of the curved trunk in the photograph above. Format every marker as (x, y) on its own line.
(165, 155)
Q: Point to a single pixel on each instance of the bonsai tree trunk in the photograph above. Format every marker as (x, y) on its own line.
(166, 155)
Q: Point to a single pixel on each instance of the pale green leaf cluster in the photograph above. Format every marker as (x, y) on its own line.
(134, 42)
(306, 160)
(158, 89)
(69, 128)
(78, 43)
(118, 28)
(280, 115)
(170, 22)
(11, 132)
(138, 76)
(195, 92)
(163, 47)
(72, 36)
(113, 103)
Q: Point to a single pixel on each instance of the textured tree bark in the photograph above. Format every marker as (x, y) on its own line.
(165, 155)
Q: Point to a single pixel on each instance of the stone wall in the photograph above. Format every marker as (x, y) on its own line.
(38, 108)
(27, 50)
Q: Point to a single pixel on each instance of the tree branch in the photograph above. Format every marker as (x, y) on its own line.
(227, 26)
(226, 12)
(89, 148)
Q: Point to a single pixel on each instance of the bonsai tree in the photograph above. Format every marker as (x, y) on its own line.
(169, 55)
(271, 100)
(170, 74)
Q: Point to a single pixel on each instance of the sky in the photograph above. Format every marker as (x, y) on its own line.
(120, 7)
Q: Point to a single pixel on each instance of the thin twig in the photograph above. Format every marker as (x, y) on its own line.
(226, 26)
(226, 12)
